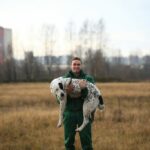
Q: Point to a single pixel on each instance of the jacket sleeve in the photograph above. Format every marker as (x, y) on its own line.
(90, 79)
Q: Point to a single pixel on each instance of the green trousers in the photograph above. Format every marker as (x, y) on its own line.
(71, 121)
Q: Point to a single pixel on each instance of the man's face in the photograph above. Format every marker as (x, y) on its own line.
(76, 66)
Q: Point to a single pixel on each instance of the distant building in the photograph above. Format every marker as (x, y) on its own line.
(118, 60)
(5, 44)
(135, 61)
(53, 61)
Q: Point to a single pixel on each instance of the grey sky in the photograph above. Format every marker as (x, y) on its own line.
(127, 21)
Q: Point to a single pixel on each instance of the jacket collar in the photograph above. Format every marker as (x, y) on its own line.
(81, 74)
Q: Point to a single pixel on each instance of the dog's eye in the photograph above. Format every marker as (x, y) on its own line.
(56, 90)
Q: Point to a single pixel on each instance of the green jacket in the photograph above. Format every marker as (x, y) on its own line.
(76, 104)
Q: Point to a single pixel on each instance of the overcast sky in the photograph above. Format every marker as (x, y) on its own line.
(127, 22)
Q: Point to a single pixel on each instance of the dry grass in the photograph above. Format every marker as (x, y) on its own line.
(29, 114)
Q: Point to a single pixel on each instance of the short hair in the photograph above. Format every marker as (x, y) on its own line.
(76, 58)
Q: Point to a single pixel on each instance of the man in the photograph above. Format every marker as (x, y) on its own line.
(73, 115)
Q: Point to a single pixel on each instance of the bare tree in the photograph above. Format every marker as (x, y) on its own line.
(84, 35)
(101, 39)
(49, 40)
(146, 67)
(70, 36)
(95, 64)
(28, 66)
(79, 51)
(89, 61)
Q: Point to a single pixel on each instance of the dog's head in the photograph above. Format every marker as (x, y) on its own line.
(58, 87)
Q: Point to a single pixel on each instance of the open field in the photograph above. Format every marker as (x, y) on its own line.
(29, 114)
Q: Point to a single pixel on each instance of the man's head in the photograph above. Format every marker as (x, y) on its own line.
(76, 65)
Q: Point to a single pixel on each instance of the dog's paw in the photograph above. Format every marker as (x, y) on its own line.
(101, 107)
(78, 130)
(59, 125)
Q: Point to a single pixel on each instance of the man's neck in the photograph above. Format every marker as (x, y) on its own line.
(77, 74)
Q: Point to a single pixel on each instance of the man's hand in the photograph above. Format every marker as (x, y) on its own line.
(69, 89)
(82, 84)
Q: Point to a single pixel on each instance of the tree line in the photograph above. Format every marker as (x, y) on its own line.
(32, 70)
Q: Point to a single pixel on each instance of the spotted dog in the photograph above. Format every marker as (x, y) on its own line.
(93, 100)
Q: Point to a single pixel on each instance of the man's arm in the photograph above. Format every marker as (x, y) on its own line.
(90, 79)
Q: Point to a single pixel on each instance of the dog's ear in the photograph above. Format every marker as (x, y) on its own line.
(61, 86)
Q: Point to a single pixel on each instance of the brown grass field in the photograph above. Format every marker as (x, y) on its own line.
(29, 115)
